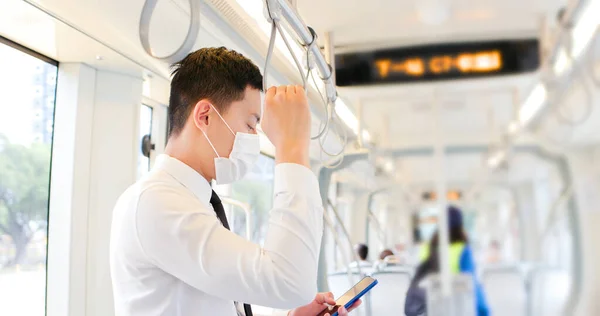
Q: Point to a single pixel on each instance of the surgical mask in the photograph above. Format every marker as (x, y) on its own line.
(243, 156)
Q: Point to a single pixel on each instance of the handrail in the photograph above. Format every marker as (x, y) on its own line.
(593, 75)
(339, 219)
(380, 233)
(368, 221)
(283, 10)
(244, 207)
(564, 196)
(567, 20)
(324, 186)
(190, 38)
(337, 241)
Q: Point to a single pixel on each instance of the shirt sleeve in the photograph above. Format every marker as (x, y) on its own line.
(184, 238)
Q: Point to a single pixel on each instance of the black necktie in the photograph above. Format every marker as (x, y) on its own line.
(217, 205)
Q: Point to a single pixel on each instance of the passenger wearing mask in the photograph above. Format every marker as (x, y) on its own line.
(461, 261)
(171, 251)
(362, 251)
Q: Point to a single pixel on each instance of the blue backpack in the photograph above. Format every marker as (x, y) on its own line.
(416, 301)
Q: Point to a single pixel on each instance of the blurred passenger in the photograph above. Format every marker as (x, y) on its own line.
(386, 258)
(362, 251)
(384, 254)
(461, 261)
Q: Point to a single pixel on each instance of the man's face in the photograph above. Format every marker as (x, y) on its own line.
(241, 116)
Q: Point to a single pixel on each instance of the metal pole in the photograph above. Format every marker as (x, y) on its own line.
(294, 3)
(337, 241)
(297, 25)
(552, 217)
(369, 206)
(330, 53)
(339, 220)
(324, 182)
(573, 222)
(380, 233)
(440, 162)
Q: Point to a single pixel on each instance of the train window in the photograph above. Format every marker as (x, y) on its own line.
(27, 93)
(257, 191)
(145, 140)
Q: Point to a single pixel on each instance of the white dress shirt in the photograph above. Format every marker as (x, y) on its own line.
(171, 256)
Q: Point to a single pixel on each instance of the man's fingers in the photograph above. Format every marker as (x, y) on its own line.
(355, 305)
(291, 89)
(271, 91)
(329, 298)
(342, 311)
(281, 89)
(323, 298)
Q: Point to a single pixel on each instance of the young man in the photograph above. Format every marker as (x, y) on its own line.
(171, 251)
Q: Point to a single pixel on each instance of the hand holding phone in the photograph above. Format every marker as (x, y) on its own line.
(351, 296)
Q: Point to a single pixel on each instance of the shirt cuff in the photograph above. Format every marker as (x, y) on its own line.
(280, 313)
(291, 177)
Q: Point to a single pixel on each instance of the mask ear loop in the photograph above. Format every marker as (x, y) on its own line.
(222, 119)
(210, 143)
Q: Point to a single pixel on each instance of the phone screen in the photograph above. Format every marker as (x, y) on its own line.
(355, 291)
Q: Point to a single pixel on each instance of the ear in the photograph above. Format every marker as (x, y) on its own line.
(200, 114)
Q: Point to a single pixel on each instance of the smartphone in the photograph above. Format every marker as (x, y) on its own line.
(350, 297)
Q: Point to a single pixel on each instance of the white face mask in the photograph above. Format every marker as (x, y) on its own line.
(243, 156)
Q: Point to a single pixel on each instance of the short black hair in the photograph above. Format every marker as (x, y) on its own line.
(363, 251)
(218, 74)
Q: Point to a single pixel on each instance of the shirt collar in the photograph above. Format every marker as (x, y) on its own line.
(185, 175)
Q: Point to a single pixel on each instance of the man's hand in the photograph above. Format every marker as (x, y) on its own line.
(321, 302)
(286, 122)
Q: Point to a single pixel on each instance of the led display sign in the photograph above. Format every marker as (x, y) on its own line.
(437, 62)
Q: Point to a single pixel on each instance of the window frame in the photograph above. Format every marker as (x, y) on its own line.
(56, 64)
(141, 137)
(229, 189)
(29, 51)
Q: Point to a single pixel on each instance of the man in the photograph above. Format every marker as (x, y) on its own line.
(171, 251)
